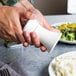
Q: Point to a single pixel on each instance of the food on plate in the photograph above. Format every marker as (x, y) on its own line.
(68, 31)
(65, 66)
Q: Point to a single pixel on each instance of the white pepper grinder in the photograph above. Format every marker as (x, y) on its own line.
(47, 38)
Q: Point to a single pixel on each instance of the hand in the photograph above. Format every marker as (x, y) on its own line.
(36, 14)
(10, 26)
(32, 38)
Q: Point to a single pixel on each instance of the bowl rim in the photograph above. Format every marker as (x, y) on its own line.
(72, 53)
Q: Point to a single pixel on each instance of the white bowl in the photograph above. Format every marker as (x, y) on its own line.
(50, 68)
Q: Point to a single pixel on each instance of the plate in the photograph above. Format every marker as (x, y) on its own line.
(50, 69)
(64, 41)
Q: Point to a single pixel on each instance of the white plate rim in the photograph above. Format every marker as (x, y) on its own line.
(50, 69)
(64, 41)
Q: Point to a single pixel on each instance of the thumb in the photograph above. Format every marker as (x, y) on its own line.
(24, 13)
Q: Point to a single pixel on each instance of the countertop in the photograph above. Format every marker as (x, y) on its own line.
(32, 60)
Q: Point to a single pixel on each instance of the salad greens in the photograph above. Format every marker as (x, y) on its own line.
(68, 31)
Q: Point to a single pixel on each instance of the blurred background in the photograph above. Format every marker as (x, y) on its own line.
(51, 6)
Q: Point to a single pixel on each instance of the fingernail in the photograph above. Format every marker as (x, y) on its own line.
(25, 44)
(43, 49)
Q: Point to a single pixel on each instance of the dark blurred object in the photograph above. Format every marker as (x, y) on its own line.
(51, 7)
(12, 69)
(8, 2)
(4, 72)
(3, 2)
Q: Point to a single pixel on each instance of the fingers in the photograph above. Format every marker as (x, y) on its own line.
(27, 37)
(18, 29)
(20, 38)
(43, 48)
(35, 39)
(31, 38)
(25, 44)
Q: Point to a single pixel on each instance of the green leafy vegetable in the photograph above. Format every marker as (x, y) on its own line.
(68, 31)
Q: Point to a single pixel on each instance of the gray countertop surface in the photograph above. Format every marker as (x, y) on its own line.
(32, 60)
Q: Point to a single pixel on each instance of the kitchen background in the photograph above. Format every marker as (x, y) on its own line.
(51, 6)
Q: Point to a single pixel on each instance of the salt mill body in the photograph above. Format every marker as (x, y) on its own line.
(47, 38)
